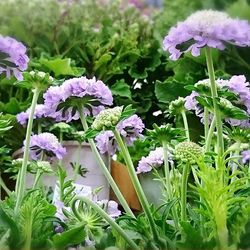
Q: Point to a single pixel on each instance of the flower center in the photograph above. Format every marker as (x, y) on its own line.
(207, 19)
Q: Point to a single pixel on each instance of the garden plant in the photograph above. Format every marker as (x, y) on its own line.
(204, 180)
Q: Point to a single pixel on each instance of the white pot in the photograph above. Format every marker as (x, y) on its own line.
(93, 178)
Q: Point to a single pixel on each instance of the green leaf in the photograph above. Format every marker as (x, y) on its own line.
(120, 88)
(13, 106)
(73, 236)
(169, 90)
(60, 66)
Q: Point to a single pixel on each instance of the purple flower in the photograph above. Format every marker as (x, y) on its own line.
(153, 160)
(206, 28)
(45, 143)
(62, 101)
(245, 156)
(106, 142)
(237, 85)
(111, 207)
(16, 59)
(23, 117)
(130, 129)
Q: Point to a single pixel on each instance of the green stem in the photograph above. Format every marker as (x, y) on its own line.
(184, 182)
(5, 188)
(206, 122)
(104, 169)
(61, 141)
(210, 135)
(106, 217)
(235, 166)
(20, 189)
(185, 122)
(168, 182)
(218, 120)
(37, 178)
(133, 176)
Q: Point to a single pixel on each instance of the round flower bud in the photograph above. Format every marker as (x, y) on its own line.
(107, 118)
(188, 152)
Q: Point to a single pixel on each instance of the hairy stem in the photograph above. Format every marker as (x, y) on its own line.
(139, 191)
(106, 217)
(218, 120)
(104, 169)
(20, 188)
(168, 182)
(185, 122)
(184, 182)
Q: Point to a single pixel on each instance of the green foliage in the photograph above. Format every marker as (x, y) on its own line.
(32, 226)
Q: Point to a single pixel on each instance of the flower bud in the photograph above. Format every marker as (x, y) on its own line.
(188, 152)
(107, 118)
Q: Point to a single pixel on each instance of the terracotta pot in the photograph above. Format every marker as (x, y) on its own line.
(122, 179)
(93, 178)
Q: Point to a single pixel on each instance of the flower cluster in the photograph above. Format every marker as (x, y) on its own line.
(237, 85)
(206, 28)
(23, 117)
(46, 143)
(130, 129)
(155, 159)
(15, 58)
(90, 95)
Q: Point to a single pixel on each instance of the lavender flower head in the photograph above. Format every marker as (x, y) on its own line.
(206, 28)
(130, 129)
(23, 117)
(237, 85)
(16, 59)
(155, 159)
(46, 143)
(245, 156)
(63, 100)
(111, 207)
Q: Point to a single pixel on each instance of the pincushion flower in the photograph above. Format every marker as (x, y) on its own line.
(206, 28)
(155, 159)
(63, 101)
(15, 59)
(45, 143)
(245, 156)
(130, 129)
(23, 117)
(237, 85)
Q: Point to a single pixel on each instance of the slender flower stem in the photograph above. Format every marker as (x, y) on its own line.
(206, 122)
(134, 178)
(20, 188)
(210, 135)
(184, 182)
(168, 182)
(235, 166)
(185, 122)
(5, 188)
(218, 120)
(61, 141)
(106, 217)
(104, 169)
(37, 178)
